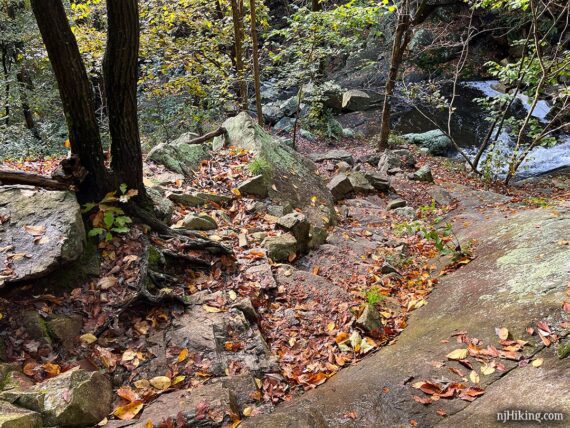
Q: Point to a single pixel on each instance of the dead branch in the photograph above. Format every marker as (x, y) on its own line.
(206, 137)
(8, 177)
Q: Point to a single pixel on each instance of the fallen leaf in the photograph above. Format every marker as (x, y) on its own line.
(487, 370)
(87, 338)
(474, 377)
(458, 354)
(183, 355)
(128, 411)
(35, 230)
(537, 362)
(161, 382)
(211, 309)
(502, 332)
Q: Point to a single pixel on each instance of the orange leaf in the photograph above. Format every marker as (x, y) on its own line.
(52, 369)
(128, 394)
(128, 411)
(183, 355)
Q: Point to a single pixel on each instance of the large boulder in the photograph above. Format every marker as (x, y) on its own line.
(179, 156)
(15, 417)
(39, 231)
(292, 179)
(435, 141)
(333, 155)
(357, 100)
(73, 399)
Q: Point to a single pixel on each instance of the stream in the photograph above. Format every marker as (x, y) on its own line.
(469, 128)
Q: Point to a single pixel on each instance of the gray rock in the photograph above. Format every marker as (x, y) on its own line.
(298, 225)
(16, 417)
(272, 114)
(288, 142)
(307, 135)
(348, 133)
(286, 124)
(420, 39)
(435, 141)
(406, 157)
(65, 329)
(254, 186)
(74, 398)
(370, 320)
(441, 196)
(422, 174)
(262, 274)
(396, 203)
(343, 167)
(186, 407)
(246, 307)
(293, 178)
(258, 236)
(289, 106)
(180, 157)
(356, 100)
(407, 212)
(333, 155)
(279, 248)
(199, 222)
(340, 186)
(279, 210)
(387, 161)
(360, 183)
(394, 171)
(379, 181)
(198, 199)
(35, 326)
(163, 207)
(387, 268)
(39, 231)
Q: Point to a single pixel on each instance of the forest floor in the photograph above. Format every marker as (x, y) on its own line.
(300, 327)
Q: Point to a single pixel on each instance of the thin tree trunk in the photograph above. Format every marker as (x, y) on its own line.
(6, 71)
(76, 94)
(255, 54)
(120, 77)
(237, 15)
(316, 5)
(401, 40)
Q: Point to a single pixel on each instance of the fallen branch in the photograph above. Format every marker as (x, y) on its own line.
(8, 177)
(208, 136)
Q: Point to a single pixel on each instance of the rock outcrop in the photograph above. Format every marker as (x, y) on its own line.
(39, 231)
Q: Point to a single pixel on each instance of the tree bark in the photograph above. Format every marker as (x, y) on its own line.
(237, 17)
(401, 39)
(76, 94)
(120, 78)
(255, 54)
(316, 5)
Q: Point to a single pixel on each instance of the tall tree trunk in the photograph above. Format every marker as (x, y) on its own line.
(316, 5)
(26, 85)
(255, 54)
(120, 77)
(237, 15)
(401, 40)
(76, 94)
(6, 71)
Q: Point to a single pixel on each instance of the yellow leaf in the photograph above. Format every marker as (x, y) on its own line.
(503, 333)
(183, 355)
(87, 338)
(330, 326)
(487, 370)
(292, 341)
(178, 379)
(232, 295)
(236, 192)
(211, 309)
(538, 362)
(247, 411)
(67, 144)
(474, 377)
(129, 355)
(458, 354)
(128, 411)
(161, 382)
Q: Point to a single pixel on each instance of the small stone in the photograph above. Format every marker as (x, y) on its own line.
(263, 275)
(348, 133)
(423, 174)
(394, 171)
(307, 135)
(333, 155)
(396, 203)
(298, 225)
(247, 309)
(258, 236)
(16, 417)
(379, 182)
(360, 183)
(388, 268)
(343, 167)
(199, 222)
(407, 212)
(35, 326)
(254, 186)
(279, 248)
(406, 157)
(370, 320)
(163, 207)
(340, 186)
(280, 210)
(65, 329)
(198, 199)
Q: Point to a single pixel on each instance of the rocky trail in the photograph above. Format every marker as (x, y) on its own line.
(346, 304)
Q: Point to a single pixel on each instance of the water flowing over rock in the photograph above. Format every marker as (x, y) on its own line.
(39, 231)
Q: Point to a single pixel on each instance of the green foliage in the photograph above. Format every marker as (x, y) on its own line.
(539, 202)
(373, 296)
(442, 238)
(107, 217)
(259, 166)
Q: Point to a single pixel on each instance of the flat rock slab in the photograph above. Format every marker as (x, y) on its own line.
(519, 278)
(39, 231)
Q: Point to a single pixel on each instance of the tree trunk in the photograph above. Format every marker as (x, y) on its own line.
(401, 40)
(76, 94)
(316, 5)
(237, 15)
(255, 54)
(120, 77)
